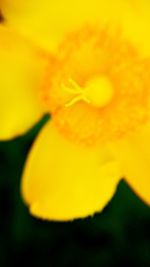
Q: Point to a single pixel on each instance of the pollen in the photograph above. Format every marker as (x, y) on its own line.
(97, 87)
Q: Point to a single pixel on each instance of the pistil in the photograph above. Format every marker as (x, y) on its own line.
(98, 92)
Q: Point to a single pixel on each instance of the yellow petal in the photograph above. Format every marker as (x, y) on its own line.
(21, 68)
(134, 155)
(63, 181)
(48, 21)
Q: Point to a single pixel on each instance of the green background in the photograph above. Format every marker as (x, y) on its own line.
(119, 236)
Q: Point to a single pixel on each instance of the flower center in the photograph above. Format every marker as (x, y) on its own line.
(108, 94)
(97, 92)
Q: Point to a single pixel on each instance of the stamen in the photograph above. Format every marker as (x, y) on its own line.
(77, 91)
(74, 101)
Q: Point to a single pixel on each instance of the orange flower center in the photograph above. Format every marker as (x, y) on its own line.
(97, 89)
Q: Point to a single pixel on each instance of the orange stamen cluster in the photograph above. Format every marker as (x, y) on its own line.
(97, 52)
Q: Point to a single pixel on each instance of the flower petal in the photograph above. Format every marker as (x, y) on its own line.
(47, 22)
(63, 181)
(134, 155)
(20, 71)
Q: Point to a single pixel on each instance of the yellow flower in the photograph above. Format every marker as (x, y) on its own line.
(87, 63)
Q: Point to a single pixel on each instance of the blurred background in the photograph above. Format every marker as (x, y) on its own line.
(119, 236)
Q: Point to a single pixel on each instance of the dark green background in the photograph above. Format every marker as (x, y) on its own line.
(119, 236)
